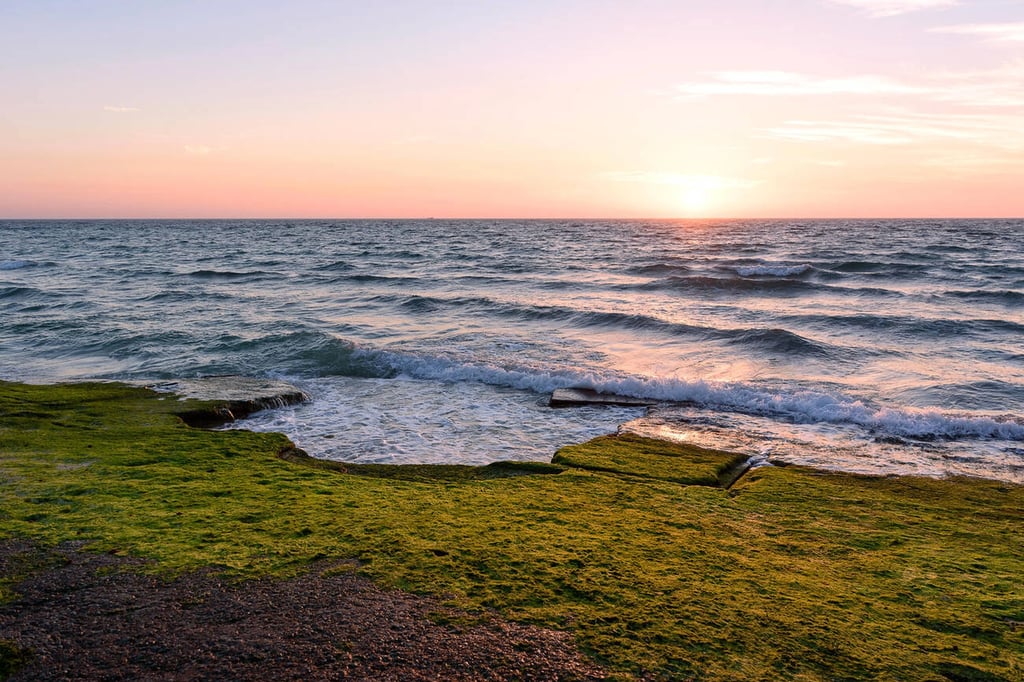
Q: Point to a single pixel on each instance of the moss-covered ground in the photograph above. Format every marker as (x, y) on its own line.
(631, 544)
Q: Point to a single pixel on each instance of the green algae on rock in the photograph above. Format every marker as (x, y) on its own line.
(633, 455)
(790, 574)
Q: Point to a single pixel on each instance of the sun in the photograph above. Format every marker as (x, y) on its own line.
(696, 201)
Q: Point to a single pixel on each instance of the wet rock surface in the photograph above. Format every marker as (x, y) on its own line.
(240, 395)
(579, 397)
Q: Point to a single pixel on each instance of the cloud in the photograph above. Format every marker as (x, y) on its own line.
(971, 164)
(704, 182)
(1001, 87)
(121, 110)
(999, 131)
(198, 150)
(1008, 32)
(788, 83)
(891, 8)
(838, 131)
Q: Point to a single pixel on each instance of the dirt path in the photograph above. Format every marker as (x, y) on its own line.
(83, 617)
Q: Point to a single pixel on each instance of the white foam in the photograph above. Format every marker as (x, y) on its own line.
(396, 421)
(799, 406)
(772, 270)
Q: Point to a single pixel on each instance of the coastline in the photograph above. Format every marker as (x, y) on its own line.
(791, 572)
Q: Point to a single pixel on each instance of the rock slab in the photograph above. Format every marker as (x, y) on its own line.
(576, 397)
(239, 396)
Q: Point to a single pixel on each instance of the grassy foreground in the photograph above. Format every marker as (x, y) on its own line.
(629, 543)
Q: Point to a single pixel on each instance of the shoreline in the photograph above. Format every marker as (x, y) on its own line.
(630, 545)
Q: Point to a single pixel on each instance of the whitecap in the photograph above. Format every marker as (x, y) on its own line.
(802, 406)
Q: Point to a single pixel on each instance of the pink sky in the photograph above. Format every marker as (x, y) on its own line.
(724, 108)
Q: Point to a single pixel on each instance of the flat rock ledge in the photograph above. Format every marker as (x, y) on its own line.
(578, 397)
(239, 396)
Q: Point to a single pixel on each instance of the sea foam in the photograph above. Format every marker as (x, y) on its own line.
(801, 406)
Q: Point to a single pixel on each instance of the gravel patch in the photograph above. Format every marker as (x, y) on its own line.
(87, 616)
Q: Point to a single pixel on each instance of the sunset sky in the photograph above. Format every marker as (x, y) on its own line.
(562, 108)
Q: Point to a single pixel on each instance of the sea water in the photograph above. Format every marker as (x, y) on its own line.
(869, 346)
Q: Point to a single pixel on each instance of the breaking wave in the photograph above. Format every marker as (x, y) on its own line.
(801, 406)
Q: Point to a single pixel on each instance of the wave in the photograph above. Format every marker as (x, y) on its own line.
(184, 297)
(659, 269)
(252, 275)
(766, 339)
(316, 354)
(365, 278)
(16, 264)
(420, 304)
(776, 341)
(15, 292)
(301, 353)
(927, 328)
(705, 283)
(773, 270)
(780, 286)
(984, 394)
(121, 344)
(1006, 297)
(747, 270)
(336, 266)
(878, 269)
(859, 266)
(798, 406)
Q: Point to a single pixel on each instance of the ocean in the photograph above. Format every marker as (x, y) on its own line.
(883, 347)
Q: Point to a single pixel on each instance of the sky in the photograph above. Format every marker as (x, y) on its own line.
(521, 109)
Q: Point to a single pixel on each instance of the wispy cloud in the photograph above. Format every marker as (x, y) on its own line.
(842, 131)
(991, 130)
(973, 164)
(890, 8)
(1001, 87)
(788, 83)
(703, 182)
(121, 110)
(1007, 32)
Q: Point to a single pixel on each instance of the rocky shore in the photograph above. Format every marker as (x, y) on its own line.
(133, 546)
(236, 397)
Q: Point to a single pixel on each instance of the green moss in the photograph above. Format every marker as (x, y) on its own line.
(791, 573)
(426, 472)
(636, 456)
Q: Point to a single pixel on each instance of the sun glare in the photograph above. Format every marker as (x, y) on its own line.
(696, 201)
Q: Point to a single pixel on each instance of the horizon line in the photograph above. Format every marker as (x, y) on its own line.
(479, 218)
